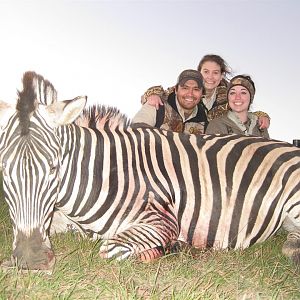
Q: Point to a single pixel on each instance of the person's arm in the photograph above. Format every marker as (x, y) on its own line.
(263, 119)
(266, 133)
(216, 126)
(146, 115)
(263, 132)
(157, 90)
(155, 100)
(156, 96)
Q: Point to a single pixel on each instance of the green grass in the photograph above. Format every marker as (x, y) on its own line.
(260, 272)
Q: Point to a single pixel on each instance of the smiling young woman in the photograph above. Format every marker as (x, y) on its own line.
(238, 119)
(215, 72)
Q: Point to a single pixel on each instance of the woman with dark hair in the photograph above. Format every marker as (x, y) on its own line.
(215, 72)
(238, 119)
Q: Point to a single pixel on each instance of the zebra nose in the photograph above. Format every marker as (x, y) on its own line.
(20, 263)
(33, 252)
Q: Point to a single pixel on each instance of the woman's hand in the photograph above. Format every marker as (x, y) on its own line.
(264, 122)
(154, 100)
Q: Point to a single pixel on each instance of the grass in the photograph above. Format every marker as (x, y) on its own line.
(260, 272)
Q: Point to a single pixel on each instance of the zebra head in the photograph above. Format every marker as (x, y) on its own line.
(30, 163)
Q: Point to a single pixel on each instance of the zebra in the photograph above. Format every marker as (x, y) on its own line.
(138, 189)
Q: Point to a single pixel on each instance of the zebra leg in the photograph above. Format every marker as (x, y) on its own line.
(291, 247)
(147, 237)
(135, 242)
(61, 223)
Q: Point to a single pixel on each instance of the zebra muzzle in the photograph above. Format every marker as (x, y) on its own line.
(22, 266)
(31, 253)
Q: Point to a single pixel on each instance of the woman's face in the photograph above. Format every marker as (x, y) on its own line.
(212, 75)
(239, 98)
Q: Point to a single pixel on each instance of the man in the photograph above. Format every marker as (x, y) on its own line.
(183, 110)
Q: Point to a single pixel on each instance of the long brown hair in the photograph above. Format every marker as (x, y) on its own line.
(225, 69)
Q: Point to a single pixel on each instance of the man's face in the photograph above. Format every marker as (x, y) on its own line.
(189, 94)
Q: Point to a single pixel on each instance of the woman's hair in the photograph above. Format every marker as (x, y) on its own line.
(225, 69)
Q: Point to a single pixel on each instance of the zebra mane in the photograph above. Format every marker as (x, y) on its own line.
(36, 90)
(102, 117)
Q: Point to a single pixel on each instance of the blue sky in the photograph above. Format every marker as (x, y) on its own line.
(112, 51)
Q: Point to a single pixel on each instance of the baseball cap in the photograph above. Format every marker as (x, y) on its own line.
(190, 75)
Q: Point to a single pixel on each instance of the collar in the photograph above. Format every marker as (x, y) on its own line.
(209, 102)
(245, 128)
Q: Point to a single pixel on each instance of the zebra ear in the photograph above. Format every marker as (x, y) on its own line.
(65, 112)
(6, 111)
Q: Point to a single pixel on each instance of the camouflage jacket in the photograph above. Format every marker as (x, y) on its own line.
(168, 117)
(226, 124)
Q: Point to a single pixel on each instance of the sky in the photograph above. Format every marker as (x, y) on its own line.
(112, 51)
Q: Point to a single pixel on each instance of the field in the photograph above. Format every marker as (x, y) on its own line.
(260, 272)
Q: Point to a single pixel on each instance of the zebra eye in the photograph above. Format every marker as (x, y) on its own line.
(52, 170)
(52, 167)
